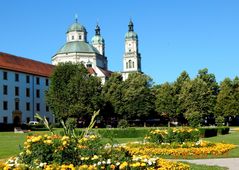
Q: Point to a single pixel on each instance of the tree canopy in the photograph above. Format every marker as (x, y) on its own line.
(73, 92)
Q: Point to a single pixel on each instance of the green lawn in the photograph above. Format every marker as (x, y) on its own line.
(204, 167)
(9, 143)
(232, 138)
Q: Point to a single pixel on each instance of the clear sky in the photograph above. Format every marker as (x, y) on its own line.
(174, 35)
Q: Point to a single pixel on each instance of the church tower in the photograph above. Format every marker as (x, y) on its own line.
(132, 58)
(98, 42)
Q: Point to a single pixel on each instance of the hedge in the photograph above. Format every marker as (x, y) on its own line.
(213, 131)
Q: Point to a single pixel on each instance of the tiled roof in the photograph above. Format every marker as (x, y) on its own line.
(91, 70)
(19, 64)
(107, 73)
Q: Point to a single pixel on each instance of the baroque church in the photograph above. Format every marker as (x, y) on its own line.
(78, 50)
(23, 81)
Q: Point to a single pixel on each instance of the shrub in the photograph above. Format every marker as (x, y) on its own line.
(171, 135)
(123, 124)
(223, 130)
(194, 118)
(219, 120)
(123, 133)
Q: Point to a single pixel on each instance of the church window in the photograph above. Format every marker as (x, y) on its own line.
(133, 64)
(38, 107)
(16, 91)
(27, 79)
(37, 80)
(27, 106)
(79, 37)
(16, 77)
(5, 89)
(5, 105)
(72, 37)
(4, 75)
(16, 105)
(130, 64)
(127, 65)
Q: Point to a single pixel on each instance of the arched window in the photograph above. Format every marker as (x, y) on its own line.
(127, 65)
(133, 64)
(79, 37)
(72, 37)
(130, 64)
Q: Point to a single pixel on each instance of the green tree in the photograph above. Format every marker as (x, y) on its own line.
(138, 100)
(195, 97)
(72, 92)
(112, 95)
(213, 88)
(177, 87)
(228, 98)
(166, 102)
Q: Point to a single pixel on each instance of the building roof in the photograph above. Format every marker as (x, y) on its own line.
(107, 73)
(76, 27)
(20, 64)
(131, 35)
(77, 47)
(97, 39)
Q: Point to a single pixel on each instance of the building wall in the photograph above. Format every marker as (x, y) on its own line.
(33, 99)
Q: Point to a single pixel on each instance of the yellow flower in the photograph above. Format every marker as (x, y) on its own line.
(112, 166)
(123, 165)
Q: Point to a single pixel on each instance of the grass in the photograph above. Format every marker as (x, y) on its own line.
(205, 167)
(9, 143)
(230, 138)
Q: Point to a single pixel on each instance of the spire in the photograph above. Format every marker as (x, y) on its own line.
(131, 25)
(76, 18)
(97, 29)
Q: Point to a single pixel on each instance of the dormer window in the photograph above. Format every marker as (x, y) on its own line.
(88, 65)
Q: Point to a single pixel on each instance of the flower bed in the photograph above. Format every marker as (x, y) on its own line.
(170, 135)
(53, 152)
(200, 148)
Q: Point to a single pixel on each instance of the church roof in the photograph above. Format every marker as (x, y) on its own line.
(77, 46)
(20, 64)
(131, 35)
(107, 73)
(97, 39)
(76, 27)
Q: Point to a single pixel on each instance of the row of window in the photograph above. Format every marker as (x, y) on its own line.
(5, 77)
(5, 91)
(130, 64)
(5, 106)
(72, 37)
(5, 119)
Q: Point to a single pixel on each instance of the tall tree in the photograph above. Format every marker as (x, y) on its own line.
(177, 87)
(72, 92)
(166, 102)
(195, 97)
(112, 95)
(138, 100)
(228, 98)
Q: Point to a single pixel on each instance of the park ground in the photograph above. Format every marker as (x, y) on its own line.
(11, 144)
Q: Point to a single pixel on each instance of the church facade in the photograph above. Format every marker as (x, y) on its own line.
(78, 50)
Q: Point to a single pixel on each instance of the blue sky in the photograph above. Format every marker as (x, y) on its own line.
(174, 35)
